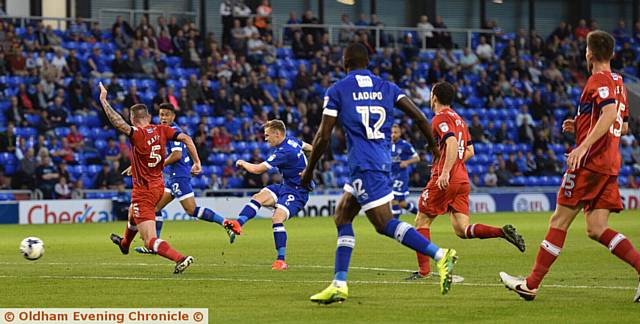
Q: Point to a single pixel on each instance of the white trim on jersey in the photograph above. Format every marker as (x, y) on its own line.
(183, 197)
(379, 202)
(286, 210)
(330, 112)
(269, 166)
(400, 96)
(176, 148)
(273, 194)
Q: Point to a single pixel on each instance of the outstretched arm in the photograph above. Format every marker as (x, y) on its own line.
(408, 107)
(114, 117)
(259, 168)
(320, 144)
(174, 157)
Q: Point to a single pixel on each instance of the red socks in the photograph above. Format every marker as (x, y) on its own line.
(129, 234)
(619, 245)
(423, 260)
(547, 254)
(482, 231)
(164, 249)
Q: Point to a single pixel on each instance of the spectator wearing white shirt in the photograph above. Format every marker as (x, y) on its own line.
(59, 61)
(523, 116)
(255, 45)
(469, 61)
(491, 179)
(425, 32)
(484, 50)
(423, 91)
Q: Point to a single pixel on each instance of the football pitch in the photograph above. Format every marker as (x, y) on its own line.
(82, 268)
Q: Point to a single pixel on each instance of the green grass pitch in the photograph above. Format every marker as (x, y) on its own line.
(82, 268)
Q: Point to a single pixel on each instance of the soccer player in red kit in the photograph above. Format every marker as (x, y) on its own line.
(147, 161)
(448, 189)
(591, 179)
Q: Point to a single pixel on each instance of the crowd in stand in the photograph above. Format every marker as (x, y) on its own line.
(60, 82)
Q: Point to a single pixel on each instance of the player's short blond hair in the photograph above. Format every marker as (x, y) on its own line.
(601, 45)
(276, 124)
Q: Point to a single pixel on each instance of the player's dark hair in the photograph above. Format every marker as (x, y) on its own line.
(356, 57)
(444, 92)
(395, 125)
(276, 124)
(601, 45)
(167, 106)
(139, 111)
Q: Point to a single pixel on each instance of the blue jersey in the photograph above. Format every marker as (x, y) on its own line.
(401, 151)
(182, 167)
(289, 159)
(363, 103)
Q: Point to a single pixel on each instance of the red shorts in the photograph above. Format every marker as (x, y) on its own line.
(143, 203)
(595, 190)
(434, 201)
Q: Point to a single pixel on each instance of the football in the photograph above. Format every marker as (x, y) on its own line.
(32, 248)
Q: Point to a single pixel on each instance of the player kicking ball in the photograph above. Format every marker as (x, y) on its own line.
(591, 180)
(364, 105)
(178, 166)
(147, 159)
(403, 155)
(288, 198)
(448, 189)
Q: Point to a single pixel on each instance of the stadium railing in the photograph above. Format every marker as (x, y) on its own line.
(60, 23)
(397, 33)
(107, 16)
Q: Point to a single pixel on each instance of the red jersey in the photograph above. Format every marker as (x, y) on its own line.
(445, 124)
(148, 154)
(602, 88)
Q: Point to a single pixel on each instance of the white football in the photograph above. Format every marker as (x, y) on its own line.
(32, 248)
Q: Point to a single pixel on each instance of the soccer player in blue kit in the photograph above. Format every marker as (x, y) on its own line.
(363, 103)
(403, 155)
(288, 198)
(178, 166)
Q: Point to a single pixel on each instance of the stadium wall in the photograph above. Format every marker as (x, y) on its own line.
(100, 210)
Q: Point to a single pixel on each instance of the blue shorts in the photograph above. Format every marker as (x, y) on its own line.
(179, 188)
(370, 188)
(290, 199)
(400, 189)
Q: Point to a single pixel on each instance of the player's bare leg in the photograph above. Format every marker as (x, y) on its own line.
(148, 233)
(465, 230)
(279, 238)
(130, 232)
(166, 198)
(423, 226)
(598, 230)
(548, 252)
(263, 198)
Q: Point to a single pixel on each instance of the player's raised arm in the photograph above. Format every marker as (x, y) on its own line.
(320, 144)
(607, 117)
(114, 117)
(408, 107)
(191, 148)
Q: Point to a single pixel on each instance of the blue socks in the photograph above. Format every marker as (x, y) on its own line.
(408, 236)
(396, 211)
(412, 208)
(280, 238)
(208, 215)
(346, 243)
(159, 221)
(249, 211)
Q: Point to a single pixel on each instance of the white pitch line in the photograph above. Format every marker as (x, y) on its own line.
(364, 282)
(205, 264)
